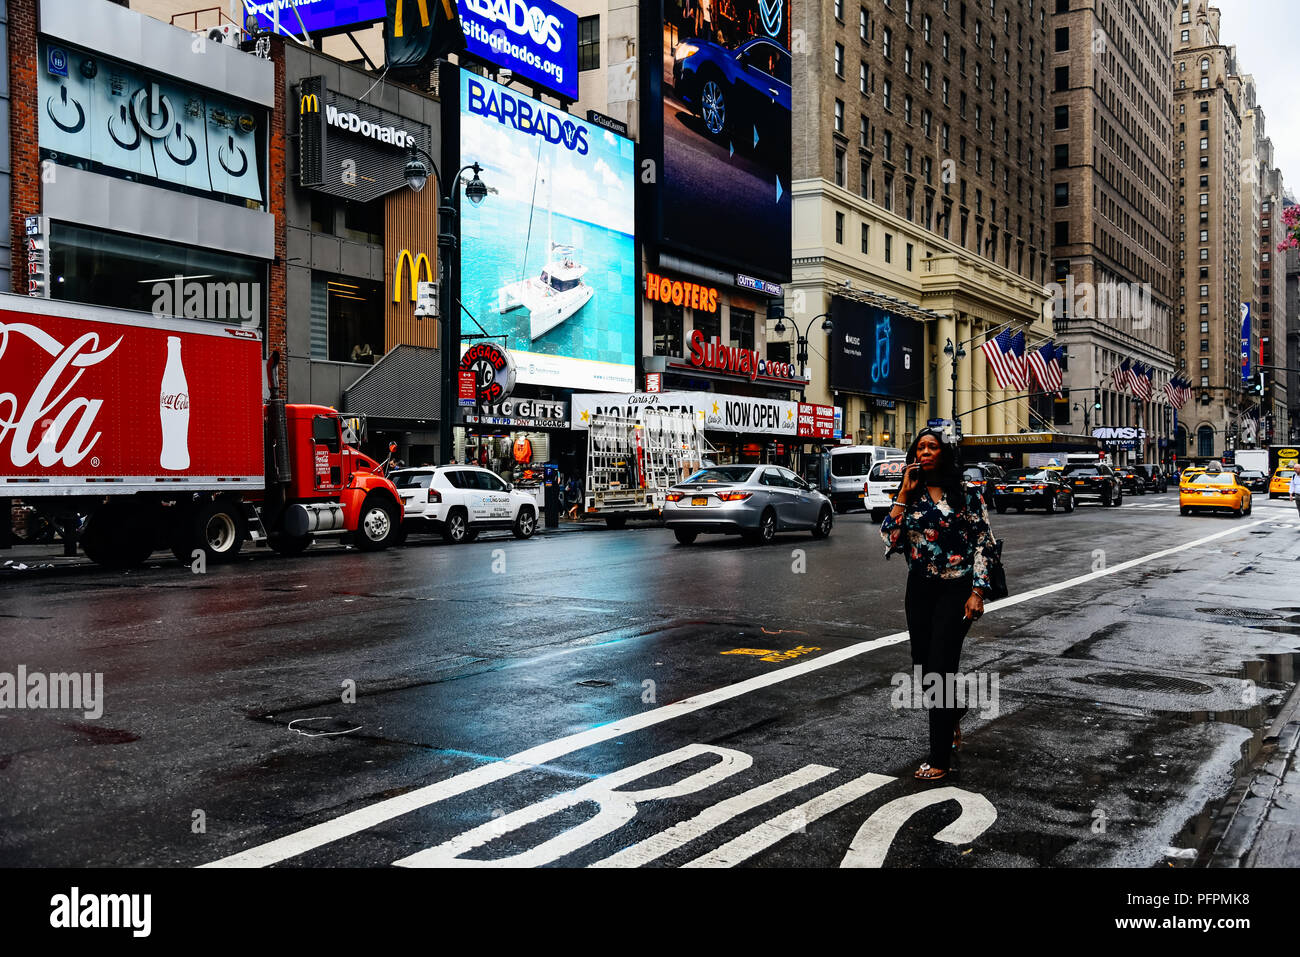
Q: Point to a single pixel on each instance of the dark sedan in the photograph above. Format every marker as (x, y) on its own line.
(742, 95)
(1157, 480)
(981, 477)
(1032, 488)
(1093, 480)
(1131, 480)
(1254, 480)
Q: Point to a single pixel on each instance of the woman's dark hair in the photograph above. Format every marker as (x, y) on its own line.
(948, 470)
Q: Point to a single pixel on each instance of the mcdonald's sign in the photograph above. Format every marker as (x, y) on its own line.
(310, 103)
(419, 266)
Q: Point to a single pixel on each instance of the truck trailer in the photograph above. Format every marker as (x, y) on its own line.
(135, 432)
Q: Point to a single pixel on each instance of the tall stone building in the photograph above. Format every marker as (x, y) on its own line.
(1207, 134)
(920, 151)
(1111, 224)
(1290, 432)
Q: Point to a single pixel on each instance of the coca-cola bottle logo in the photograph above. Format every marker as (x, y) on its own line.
(175, 400)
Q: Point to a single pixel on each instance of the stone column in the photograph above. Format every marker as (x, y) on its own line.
(947, 330)
(964, 400)
(981, 379)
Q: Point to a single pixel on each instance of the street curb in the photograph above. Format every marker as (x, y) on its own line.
(1254, 795)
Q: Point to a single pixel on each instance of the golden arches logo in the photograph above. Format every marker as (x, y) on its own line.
(310, 103)
(419, 265)
(448, 8)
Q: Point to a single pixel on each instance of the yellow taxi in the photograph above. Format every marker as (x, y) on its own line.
(1190, 473)
(1213, 489)
(1281, 483)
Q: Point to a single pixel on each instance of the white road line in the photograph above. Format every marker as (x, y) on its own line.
(742, 848)
(665, 842)
(300, 842)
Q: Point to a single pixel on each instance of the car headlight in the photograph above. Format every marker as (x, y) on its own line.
(684, 50)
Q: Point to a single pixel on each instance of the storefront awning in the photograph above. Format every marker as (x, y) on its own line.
(1022, 442)
(404, 384)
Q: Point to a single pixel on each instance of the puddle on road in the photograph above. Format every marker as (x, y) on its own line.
(1203, 831)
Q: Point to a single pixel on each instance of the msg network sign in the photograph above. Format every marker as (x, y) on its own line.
(536, 39)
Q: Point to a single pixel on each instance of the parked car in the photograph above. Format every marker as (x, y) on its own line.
(1032, 488)
(1088, 481)
(1131, 480)
(741, 95)
(460, 501)
(754, 501)
(882, 485)
(981, 476)
(1157, 479)
(1253, 479)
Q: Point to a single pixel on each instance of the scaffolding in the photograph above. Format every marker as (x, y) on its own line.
(632, 461)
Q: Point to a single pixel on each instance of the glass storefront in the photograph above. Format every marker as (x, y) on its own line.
(130, 272)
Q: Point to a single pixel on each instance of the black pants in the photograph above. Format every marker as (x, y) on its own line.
(935, 622)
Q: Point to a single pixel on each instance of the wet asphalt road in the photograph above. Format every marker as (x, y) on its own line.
(1128, 701)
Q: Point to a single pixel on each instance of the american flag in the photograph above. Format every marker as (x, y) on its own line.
(1004, 362)
(1179, 391)
(1122, 377)
(1142, 381)
(1018, 354)
(1044, 363)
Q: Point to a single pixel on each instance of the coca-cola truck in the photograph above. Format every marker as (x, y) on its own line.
(153, 433)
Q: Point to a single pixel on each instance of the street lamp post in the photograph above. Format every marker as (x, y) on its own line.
(801, 340)
(955, 354)
(417, 174)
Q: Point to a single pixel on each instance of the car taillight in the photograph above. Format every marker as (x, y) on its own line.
(734, 496)
(1039, 488)
(674, 496)
(977, 482)
(434, 497)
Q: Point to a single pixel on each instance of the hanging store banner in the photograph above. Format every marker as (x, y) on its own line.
(737, 414)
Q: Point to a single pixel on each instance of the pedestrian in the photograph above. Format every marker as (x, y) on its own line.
(572, 497)
(1294, 488)
(943, 533)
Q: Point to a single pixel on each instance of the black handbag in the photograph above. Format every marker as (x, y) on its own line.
(997, 574)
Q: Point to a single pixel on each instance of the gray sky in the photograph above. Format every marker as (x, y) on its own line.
(1264, 32)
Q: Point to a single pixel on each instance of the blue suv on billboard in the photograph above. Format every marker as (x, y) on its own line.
(739, 94)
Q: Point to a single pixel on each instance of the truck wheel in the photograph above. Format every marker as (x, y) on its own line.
(118, 535)
(684, 536)
(615, 522)
(456, 528)
(525, 523)
(290, 545)
(378, 524)
(215, 527)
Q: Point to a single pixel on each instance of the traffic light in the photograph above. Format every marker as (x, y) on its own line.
(1259, 386)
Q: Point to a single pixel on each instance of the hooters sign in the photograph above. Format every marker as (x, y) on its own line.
(89, 398)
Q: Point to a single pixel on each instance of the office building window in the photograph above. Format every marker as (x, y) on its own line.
(588, 43)
(889, 247)
(866, 239)
(839, 60)
(839, 228)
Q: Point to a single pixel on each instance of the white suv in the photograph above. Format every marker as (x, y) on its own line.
(882, 485)
(460, 501)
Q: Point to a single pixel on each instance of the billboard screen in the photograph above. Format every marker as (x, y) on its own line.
(547, 258)
(722, 105)
(317, 15)
(875, 352)
(537, 40)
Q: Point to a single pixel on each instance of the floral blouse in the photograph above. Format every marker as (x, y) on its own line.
(939, 544)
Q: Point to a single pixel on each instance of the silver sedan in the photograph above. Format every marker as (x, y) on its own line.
(755, 501)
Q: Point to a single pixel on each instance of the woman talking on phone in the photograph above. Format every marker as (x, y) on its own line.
(944, 534)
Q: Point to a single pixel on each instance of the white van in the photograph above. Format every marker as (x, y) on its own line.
(850, 466)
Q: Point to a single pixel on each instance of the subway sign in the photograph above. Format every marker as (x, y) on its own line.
(537, 40)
